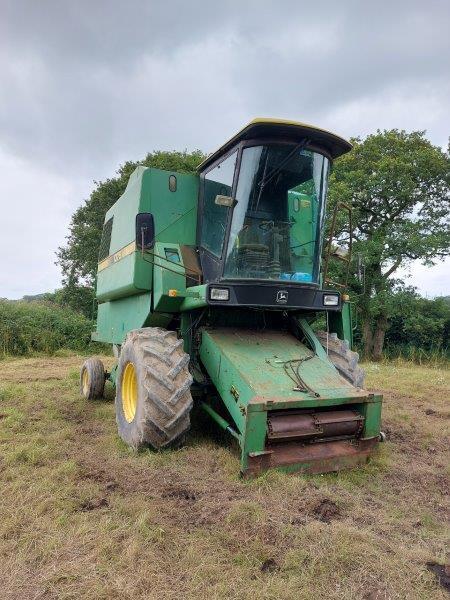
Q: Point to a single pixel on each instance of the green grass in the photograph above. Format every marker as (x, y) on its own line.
(84, 517)
(437, 357)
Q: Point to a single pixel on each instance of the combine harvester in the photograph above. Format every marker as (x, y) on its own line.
(208, 287)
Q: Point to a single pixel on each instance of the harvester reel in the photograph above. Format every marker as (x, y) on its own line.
(345, 360)
(153, 398)
(92, 379)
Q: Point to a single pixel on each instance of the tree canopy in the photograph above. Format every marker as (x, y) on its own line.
(398, 186)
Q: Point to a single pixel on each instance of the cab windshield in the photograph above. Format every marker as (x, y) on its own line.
(278, 214)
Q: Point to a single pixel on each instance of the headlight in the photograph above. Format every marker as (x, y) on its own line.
(222, 294)
(330, 300)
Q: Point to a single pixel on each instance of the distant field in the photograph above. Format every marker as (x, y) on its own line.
(83, 517)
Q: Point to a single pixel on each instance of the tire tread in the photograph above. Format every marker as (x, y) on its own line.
(345, 360)
(166, 386)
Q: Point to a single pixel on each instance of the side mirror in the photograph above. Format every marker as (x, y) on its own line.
(145, 231)
(224, 200)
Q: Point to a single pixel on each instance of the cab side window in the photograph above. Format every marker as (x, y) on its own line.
(218, 181)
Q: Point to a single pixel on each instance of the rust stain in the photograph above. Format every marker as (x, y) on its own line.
(322, 457)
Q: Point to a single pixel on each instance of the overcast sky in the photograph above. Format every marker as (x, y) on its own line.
(86, 85)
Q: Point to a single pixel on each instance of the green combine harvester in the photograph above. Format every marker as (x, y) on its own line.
(208, 288)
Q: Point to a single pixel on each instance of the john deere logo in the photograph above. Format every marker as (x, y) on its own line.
(282, 297)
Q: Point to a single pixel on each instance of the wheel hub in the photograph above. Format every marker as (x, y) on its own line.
(85, 382)
(129, 392)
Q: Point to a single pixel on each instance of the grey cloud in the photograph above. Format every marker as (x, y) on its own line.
(86, 85)
(72, 91)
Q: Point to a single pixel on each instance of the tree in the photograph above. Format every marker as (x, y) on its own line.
(418, 322)
(398, 186)
(78, 258)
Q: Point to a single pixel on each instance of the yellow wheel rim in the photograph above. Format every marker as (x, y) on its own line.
(129, 392)
(85, 382)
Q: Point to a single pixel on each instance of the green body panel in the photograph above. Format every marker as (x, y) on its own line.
(252, 363)
(247, 369)
(148, 190)
(128, 272)
(168, 275)
(115, 281)
(341, 323)
(117, 317)
(196, 298)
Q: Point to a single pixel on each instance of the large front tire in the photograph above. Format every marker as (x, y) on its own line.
(345, 360)
(153, 399)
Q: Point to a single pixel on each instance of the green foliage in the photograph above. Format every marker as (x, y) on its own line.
(418, 323)
(398, 186)
(29, 327)
(78, 258)
(79, 298)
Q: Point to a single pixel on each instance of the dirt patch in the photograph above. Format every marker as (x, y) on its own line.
(93, 504)
(180, 494)
(298, 520)
(187, 502)
(93, 474)
(269, 566)
(376, 595)
(326, 511)
(441, 573)
(99, 476)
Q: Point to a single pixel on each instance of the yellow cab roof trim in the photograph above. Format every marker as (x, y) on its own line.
(335, 144)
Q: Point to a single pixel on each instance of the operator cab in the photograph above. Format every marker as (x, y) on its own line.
(261, 212)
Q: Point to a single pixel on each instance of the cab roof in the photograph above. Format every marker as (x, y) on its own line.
(282, 129)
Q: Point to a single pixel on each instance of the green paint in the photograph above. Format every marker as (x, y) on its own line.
(312, 339)
(219, 420)
(122, 304)
(117, 317)
(247, 368)
(167, 276)
(195, 298)
(372, 413)
(255, 365)
(341, 323)
(128, 276)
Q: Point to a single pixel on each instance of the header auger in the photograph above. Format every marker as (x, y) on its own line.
(208, 288)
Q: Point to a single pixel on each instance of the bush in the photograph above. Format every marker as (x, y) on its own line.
(30, 327)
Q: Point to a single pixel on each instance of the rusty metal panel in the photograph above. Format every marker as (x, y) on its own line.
(294, 425)
(312, 458)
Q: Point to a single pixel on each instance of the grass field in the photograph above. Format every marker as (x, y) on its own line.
(83, 517)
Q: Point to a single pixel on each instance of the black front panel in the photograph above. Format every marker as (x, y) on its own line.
(273, 295)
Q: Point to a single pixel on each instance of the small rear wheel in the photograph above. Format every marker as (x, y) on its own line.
(153, 398)
(92, 379)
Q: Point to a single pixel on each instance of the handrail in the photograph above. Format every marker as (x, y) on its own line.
(340, 205)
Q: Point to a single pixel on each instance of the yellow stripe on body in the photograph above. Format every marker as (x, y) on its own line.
(113, 258)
